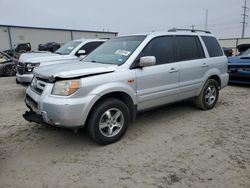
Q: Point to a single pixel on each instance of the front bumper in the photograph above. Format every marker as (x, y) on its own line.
(24, 79)
(239, 76)
(69, 112)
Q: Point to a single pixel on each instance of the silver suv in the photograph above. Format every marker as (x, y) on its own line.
(127, 75)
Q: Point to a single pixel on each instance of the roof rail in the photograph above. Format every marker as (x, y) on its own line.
(192, 30)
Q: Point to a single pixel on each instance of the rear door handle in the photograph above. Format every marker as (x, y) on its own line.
(173, 70)
(204, 65)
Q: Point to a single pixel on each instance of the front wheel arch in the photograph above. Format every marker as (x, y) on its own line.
(122, 96)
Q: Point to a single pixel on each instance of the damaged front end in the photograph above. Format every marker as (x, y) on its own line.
(31, 116)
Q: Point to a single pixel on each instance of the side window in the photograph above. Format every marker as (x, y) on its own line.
(213, 46)
(189, 48)
(89, 47)
(162, 48)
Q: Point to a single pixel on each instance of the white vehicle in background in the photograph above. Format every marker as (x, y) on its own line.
(73, 50)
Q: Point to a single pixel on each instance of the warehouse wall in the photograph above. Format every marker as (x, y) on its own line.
(89, 35)
(233, 43)
(37, 36)
(4, 38)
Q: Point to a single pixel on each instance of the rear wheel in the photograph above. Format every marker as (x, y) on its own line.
(208, 96)
(9, 70)
(108, 121)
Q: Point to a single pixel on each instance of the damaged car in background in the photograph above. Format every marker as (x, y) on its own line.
(7, 65)
(239, 68)
(49, 47)
(73, 50)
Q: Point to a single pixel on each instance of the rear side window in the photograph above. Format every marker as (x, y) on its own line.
(213, 46)
(162, 48)
(89, 47)
(189, 48)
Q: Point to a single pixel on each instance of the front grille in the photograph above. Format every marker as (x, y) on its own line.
(38, 85)
(21, 68)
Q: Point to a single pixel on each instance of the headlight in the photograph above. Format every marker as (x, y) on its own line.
(66, 87)
(32, 65)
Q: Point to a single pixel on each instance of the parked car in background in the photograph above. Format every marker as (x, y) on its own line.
(242, 48)
(73, 50)
(239, 68)
(228, 51)
(20, 48)
(50, 46)
(127, 75)
(7, 65)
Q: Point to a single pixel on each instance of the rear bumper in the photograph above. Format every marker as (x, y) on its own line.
(224, 80)
(24, 79)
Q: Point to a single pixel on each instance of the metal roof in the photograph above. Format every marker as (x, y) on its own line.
(58, 29)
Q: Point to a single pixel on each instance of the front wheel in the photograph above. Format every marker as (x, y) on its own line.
(208, 96)
(108, 121)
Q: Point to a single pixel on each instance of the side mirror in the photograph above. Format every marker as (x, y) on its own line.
(81, 52)
(147, 61)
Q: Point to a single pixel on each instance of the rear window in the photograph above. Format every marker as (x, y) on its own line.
(213, 46)
(189, 48)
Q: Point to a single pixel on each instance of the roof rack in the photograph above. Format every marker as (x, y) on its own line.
(192, 30)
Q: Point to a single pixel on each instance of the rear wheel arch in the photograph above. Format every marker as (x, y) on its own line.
(216, 78)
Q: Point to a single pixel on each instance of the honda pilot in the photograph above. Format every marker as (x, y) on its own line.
(127, 75)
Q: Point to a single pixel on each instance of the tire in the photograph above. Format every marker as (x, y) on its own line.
(9, 70)
(209, 95)
(108, 121)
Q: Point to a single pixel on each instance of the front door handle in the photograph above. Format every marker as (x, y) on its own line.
(173, 70)
(204, 65)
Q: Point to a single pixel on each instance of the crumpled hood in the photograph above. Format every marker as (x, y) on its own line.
(37, 56)
(72, 70)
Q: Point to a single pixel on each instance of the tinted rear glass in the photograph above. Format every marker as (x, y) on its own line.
(189, 48)
(213, 46)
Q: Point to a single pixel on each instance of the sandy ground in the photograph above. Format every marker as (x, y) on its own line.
(175, 146)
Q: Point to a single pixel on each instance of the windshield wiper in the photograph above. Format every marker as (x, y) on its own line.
(58, 53)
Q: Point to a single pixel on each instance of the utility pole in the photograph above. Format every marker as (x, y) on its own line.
(206, 20)
(244, 15)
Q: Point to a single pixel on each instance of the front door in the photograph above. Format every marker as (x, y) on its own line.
(159, 84)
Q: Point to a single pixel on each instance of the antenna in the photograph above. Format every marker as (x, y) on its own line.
(245, 16)
(206, 20)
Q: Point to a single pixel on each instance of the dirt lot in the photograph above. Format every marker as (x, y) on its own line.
(175, 146)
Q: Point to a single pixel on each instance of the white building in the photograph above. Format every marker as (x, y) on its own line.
(11, 35)
(233, 42)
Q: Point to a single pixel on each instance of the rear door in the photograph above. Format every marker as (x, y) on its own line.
(193, 64)
(158, 84)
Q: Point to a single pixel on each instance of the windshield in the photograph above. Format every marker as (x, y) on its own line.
(67, 48)
(246, 53)
(115, 51)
